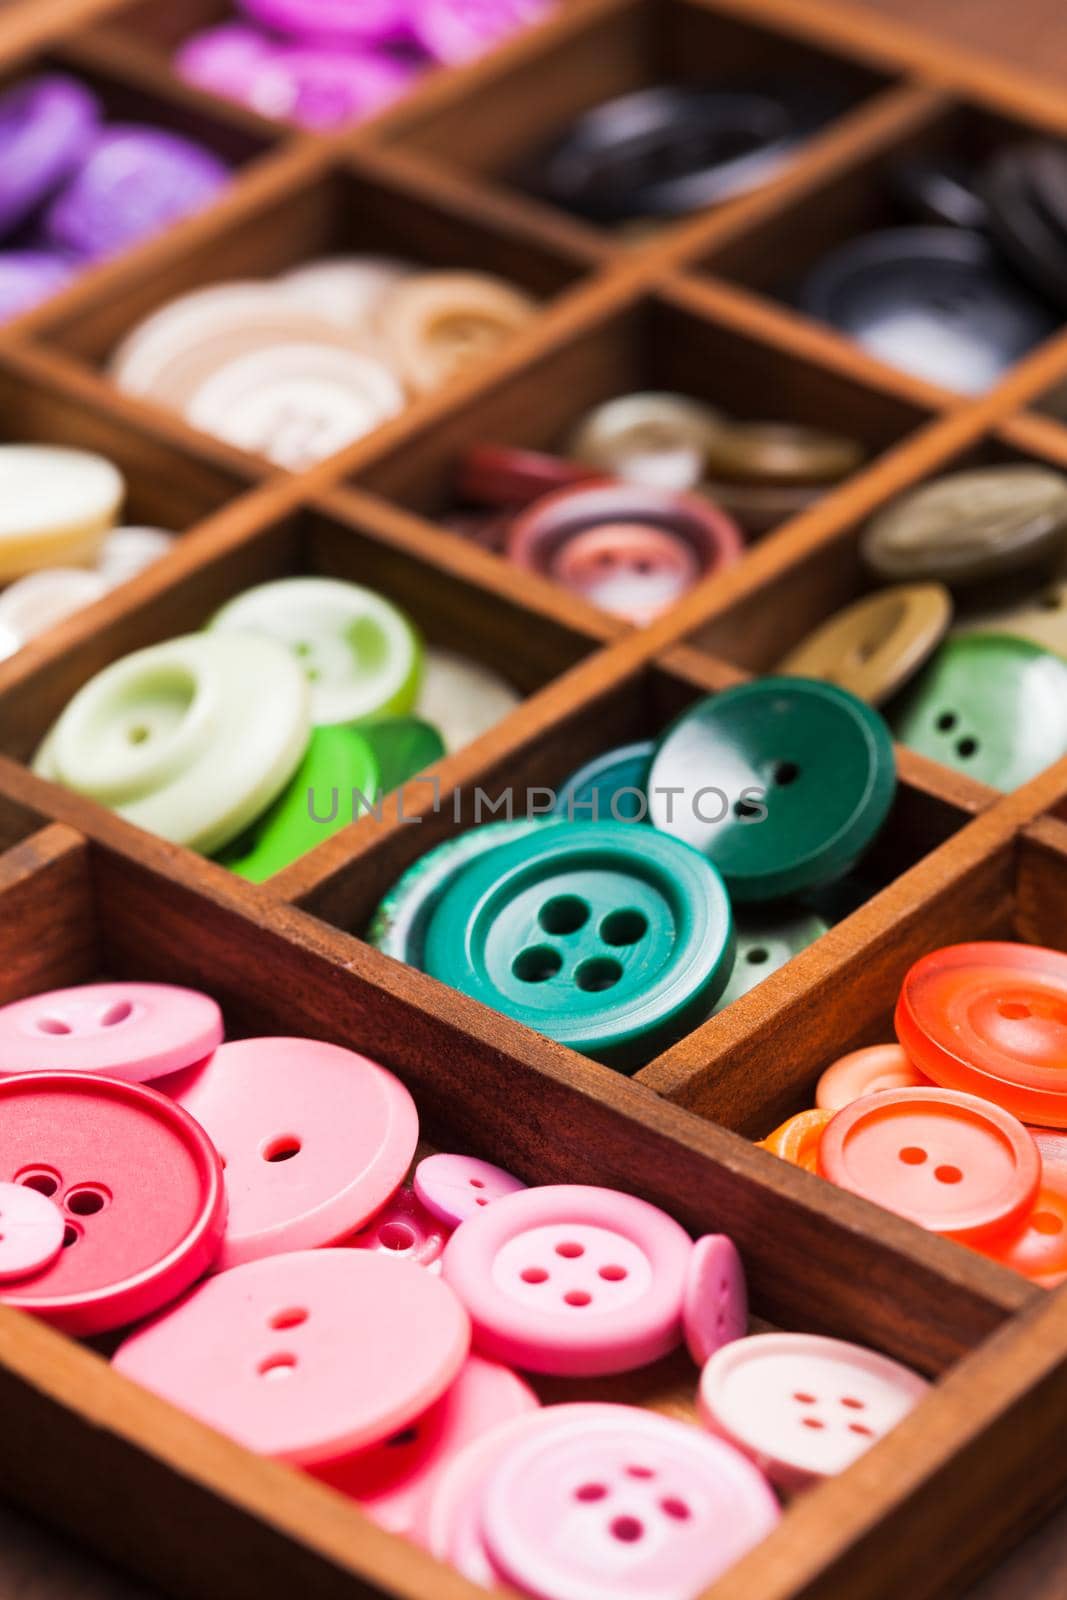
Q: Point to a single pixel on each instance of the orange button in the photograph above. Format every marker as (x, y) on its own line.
(950, 1162)
(798, 1139)
(879, 1066)
(1039, 1252)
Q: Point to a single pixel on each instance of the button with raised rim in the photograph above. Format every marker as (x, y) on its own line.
(658, 439)
(55, 506)
(347, 290)
(866, 1071)
(610, 788)
(873, 646)
(436, 324)
(36, 602)
(797, 1139)
(1039, 1249)
(404, 1230)
(457, 1187)
(715, 1302)
(134, 1031)
(31, 1231)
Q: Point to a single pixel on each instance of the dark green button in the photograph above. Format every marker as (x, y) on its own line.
(611, 939)
(766, 940)
(610, 788)
(989, 705)
(337, 780)
(782, 783)
(403, 748)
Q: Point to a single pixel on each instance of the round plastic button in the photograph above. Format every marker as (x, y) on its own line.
(38, 601)
(360, 654)
(623, 1502)
(991, 1019)
(571, 1280)
(392, 1480)
(1039, 1251)
(766, 941)
(140, 1188)
(133, 1031)
(31, 1232)
(782, 783)
(803, 1407)
(867, 1071)
(346, 289)
(797, 1140)
(633, 571)
(781, 453)
(45, 127)
(612, 939)
(405, 1230)
(661, 440)
(875, 645)
(952, 1163)
(282, 1355)
(609, 788)
(55, 506)
(506, 478)
(1040, 616)
(456, 31)
(316, 87)
(315, 1139)
(29, 277)
(457, 1187)
(190, 739)
(436, 324)
(403, 747)
(715, 1303)
(462, 698)
(1025, 214)
(127, 551)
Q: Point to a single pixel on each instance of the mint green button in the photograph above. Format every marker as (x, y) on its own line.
(611, 939)
(766, 940)
(988, 705)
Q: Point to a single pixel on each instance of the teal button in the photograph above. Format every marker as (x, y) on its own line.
(403, 747)
(988, 705)
(766, 940)
(611, 939)
(610, 788)
(783, 783)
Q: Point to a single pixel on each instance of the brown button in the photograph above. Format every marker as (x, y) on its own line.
(876, 644)
(781, 453)
(437, 323)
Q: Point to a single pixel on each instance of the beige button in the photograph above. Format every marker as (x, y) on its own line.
(971, 525)
(759, 507)
(127, 551)
(1040, 617)
(55, 507)
(660, 440)
(41, 599)
(876, 644)
(438, 323)
(348, 290)
(781, 453)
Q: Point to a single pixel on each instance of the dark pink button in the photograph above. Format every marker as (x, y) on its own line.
(404, 1230)
(456, 1187)
(134, 1031)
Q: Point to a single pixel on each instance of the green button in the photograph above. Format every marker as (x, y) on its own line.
(335, 782)
(613, 940)
(403, 748)
(989, 705)
(783, 783)
(610, 788)
(766, 940)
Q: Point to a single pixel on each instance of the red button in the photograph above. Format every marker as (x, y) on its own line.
(493, 475)
(140, 1187)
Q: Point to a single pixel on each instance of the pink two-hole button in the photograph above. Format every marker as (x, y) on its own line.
(571, 1280)
(314, 1139)
(456, 1187)
(31, 1231)
(715, 1304)
(133, 1031)
(404, 1230)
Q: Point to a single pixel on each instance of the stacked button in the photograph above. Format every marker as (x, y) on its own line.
(75, 188)
(300, 366)
(301, 704)
(957, 1125)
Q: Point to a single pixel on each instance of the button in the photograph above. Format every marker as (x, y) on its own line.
(456, 31)
(782, 783)
(437, 324)
(941, 190)
(872, 647)
(47, 125)
(29, 277)
(38, 601)
(360, 655)
(134, 182)
(781, 453)
(571, 1280)
(1041, 617)
(347, 290)
(991, 1019)
(314, 1138)
(1039, 1250)
(950, 1162)
(804, 1407)
(609, 788)
(715, 1302)
(991, 706)
(797, 1140)
(462, 698)
(140, 1188)
(1026, 227)
(134, 1031)
(398, 926)
(405, 1231)
(404, 748)
(662, 440)
(936, 302)
(970, 525)
(316, 87)
(613, 940)
(333, 20)
(500, 476)
(759, 507)
(55, 506)
(31, 1232)
(766, 941)
(190, 739)
(867, 1071)
(127, 551)
(631, 571)
(457, 1187)
(624, 1502)
(391, 1481)
(282, 1356)
(1051, 1146)
(219, 59)
(337, 781)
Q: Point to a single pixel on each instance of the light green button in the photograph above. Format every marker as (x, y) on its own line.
(766, 940)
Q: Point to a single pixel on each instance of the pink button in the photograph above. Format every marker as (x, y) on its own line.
(139, 1186)
(31, 1231)
(405, 1230)
(455, 1187)
(879, 1066)
(804, 1407)
(306, 1357)
(571, 1280)
(715, 1304)
(393, 1479)
(314, 1140)
(632, 570)
(626, 1502)
(134, 1031)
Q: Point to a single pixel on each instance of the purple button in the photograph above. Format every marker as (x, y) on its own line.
(28, 277)
(322, 89)
(379, 21)
(135, 182)
(454, 31)
(46, 126)
(221, 59)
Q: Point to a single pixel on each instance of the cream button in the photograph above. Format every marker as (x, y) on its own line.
(55, 506)
(437, 323)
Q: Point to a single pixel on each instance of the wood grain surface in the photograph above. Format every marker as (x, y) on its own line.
(1033, 36)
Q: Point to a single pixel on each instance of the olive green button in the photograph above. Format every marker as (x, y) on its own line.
(610, 788)
(403, 748)
(783, 783)
(766, 940)
(781, 453)
(989, 705)
(875, 645)
(970, 525)
(611, 939)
